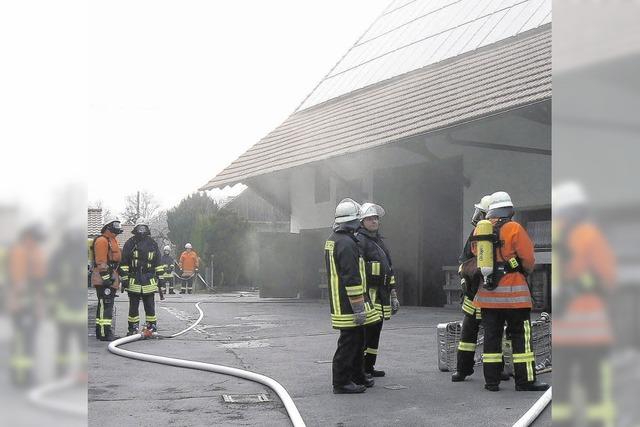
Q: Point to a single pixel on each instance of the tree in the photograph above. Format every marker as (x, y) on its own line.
(141, 204)
(98, 204)
(216, 233)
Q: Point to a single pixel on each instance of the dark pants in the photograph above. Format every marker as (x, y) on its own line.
(68, 331)
(167, 284)
(371, 342)
(589, 370)
(467, 346)
(187, 284)
(348, 361)
(148, 300)
(23, 345)
(519, 329)
(104, 312)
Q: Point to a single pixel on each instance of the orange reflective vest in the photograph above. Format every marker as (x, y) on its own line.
(589, 269)
(512, 290)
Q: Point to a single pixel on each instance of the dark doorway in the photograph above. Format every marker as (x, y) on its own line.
(423, 225)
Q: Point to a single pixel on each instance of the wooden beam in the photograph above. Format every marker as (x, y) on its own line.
(502, 147)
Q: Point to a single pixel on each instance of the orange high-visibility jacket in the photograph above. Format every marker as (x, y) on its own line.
(188, 262)
(513, 290)
(591, 268)
(106, 251)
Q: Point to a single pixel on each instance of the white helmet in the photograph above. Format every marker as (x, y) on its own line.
(188, 246)
(568, 195)
(112, 223)
(371, 209)
(141, 227)
(167, 248)
(481, 209)
(501, 205)
(347, 210)
(484, 204)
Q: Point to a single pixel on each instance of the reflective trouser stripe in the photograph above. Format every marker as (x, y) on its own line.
(133, 319)
(561, 411)
(466, 346)
(478, 314)
(370, 350)
(523, 357)
(492, 358)
(604, 412)
(528, 350)
(354, 290)
(102, 325)
(151, 318)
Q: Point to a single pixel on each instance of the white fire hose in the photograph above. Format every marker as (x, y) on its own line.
(529, 417)
(291, 408)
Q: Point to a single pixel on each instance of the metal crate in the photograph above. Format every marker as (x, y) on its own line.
(448, 337)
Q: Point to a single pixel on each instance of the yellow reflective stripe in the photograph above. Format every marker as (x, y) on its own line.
(151, 318)
(527, 349)
(335, 297)
(492, 358)
(147, 289)
(124, 268)
(134, 288)
(354, 290)
(363, 274)
(604, 411)
(160, 269)
(561, 411)
(101, 317)
(133, 319)
(373, 295)
(478, 314)
(370, 350)
(393, 280)
(375, 268)
(466, 346)
(523, 357)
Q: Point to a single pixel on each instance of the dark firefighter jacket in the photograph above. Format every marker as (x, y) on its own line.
(379, 270)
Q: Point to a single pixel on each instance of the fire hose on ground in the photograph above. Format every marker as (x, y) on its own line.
(282, 393)
(529, 417)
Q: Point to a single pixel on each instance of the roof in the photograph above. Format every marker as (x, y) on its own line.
(94, 221)
(506, 75)
(412, 34)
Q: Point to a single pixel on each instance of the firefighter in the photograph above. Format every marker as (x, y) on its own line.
(470, 278)
(141, 266)
(105, 276)
(189, 263)
(351, 309)
(166, 278)
(506, 298)
(25, 300)
(583, 277)
(69, 302)
(381, 282)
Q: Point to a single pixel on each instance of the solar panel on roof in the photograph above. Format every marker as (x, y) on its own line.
(412, 34)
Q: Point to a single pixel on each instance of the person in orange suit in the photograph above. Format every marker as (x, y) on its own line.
(189, 264)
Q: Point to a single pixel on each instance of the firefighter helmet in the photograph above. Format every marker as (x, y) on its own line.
(371, 209)
(188, 246)
(501, 205)
(347, 210)
(141, 227)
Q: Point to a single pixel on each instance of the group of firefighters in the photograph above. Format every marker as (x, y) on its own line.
(140, 270)
(362, 294)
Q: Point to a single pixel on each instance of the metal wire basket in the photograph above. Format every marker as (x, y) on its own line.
(448, 337)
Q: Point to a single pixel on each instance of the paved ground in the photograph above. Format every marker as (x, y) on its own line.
(290, 341)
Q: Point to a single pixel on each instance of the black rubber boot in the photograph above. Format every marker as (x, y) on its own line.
(492, 387)
(459, 376)
(532, 386)
(349, 388)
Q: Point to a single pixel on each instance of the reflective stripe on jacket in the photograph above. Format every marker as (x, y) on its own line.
(347, 278)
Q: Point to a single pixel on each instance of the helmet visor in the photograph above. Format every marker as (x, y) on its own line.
(141, 229)
(478, 215)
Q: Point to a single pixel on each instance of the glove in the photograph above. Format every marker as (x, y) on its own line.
(395, 304)
(359, 312)
(107, 280)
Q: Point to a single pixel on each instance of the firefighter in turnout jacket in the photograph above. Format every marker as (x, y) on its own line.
(470, 279)
(583, 277)
(351, 309)
(166, 278)
(381, 282)
(141, 266)
(504, 297)
(106, 260)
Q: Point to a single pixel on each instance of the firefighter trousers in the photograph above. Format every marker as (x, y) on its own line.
(148, 300)
(465, 356)
(186, 285)
(519, 328)
(588, 369)
(104, 312)
(371, 341)
(348, 360)
(23, 346)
